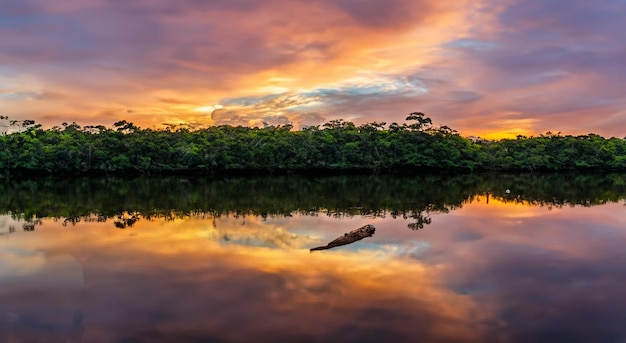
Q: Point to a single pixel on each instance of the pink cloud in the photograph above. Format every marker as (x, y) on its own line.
(476, 63)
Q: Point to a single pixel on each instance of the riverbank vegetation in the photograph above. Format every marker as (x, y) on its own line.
(336, 147)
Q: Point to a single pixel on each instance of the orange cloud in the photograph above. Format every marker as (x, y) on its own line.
(461, 63)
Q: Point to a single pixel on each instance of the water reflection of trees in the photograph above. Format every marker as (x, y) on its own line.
(125, 201)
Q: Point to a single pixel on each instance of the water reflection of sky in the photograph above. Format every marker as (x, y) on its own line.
(485, 272)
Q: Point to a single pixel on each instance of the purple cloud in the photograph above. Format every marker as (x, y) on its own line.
(543, 60)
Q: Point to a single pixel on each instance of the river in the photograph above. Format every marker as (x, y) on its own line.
(469, 258)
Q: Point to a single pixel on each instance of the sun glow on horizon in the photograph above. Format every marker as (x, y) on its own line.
(457, 62)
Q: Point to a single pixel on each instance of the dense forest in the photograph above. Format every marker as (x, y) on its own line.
(335, 147)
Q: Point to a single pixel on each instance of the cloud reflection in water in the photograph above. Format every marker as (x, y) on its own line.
(485, 272)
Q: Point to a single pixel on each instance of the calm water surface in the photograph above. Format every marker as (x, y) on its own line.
(453, 259)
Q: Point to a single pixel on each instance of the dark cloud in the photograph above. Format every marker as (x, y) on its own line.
(468, 236)
(385, 14)
(557, 64)
(575, 21)
(134, 39)
(250, 100)
(577, 37)
(10, 9)
(465, 96)
(544, 59)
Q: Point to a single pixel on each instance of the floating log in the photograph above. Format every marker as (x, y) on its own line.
(350, 237)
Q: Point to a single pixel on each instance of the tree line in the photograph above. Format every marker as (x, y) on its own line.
(335, 147)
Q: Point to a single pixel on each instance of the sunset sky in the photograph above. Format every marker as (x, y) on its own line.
(492, 68)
